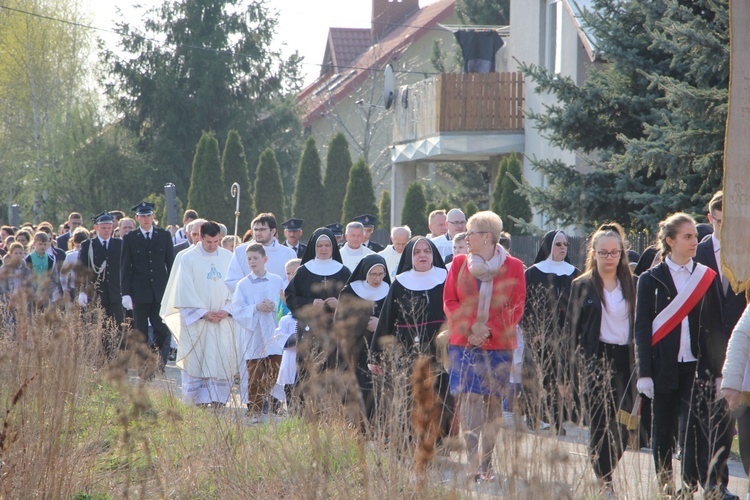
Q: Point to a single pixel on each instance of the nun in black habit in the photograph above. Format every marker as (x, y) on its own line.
(412, 317)
(312, 294)
(357, 316)
(548, 284)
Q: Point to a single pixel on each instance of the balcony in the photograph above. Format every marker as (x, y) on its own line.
(459, 103)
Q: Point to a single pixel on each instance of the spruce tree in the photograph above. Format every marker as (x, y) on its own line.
(385, 211)
(234, 169)
(308, 191)
(471, 209)
(414, 213)
(338, 165)
(269, 190)
(360, 196)
(650, 122)
(513, 203)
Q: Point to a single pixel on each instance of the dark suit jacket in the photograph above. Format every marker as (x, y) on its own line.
(300, 249)
(183, 245)
(374, 246)
(733, 305)
(146, 265)
(108, 283)
(708, 343)
(62, 241)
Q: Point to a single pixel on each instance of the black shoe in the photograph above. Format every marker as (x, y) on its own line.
(721, 493)
(172, 355)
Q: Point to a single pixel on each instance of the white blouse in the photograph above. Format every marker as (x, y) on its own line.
(615, 327)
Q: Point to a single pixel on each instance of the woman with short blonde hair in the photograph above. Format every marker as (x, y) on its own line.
(483, 300)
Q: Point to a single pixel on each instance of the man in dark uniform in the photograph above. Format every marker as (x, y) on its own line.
(74, 222)
(147, 256)
(99, 261)
(338, 231)
(732, 306)
(369, 221)
(292, 234)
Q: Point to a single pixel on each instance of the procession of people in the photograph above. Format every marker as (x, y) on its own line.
(279, 322)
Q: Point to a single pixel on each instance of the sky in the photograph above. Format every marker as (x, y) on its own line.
(303, 24)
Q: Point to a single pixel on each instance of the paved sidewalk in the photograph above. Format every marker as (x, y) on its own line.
(542, 465)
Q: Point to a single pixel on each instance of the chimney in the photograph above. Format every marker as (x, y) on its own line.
(387, 13)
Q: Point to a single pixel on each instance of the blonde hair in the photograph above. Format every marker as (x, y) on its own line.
(486, 221)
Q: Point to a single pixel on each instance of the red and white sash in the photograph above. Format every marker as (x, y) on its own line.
(672, 315)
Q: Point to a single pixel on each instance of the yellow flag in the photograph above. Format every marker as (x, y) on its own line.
(735, 230)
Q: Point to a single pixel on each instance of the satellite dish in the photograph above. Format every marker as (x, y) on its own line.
(388, 86)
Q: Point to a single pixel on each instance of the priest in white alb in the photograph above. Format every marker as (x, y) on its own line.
(353, 250)
(196, 307)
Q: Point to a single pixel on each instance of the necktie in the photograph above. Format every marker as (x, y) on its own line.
(258, 280)
(148, 236)
(104, 243)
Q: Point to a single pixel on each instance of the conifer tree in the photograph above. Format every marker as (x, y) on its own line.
(497, 188)
(160, 208)
(234, 169)
(205, 187)
(360, 195)
(308, 191)
(650, 122)
(414, 213)
(385, 211)
(513, 203)
(471, 209)
(269, 190)
(338, 166)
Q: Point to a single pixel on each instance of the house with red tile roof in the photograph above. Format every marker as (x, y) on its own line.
(347, 96)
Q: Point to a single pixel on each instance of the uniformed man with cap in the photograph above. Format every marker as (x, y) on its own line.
(99, 261)
(369, 221)
(292, 234)
(147, 257)
(338, 231)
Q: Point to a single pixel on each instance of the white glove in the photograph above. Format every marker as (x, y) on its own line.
(83, 299)
(645, 386)
(127, 302)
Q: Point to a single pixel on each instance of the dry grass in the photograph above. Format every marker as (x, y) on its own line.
(74, 429)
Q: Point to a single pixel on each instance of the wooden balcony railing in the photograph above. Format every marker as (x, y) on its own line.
(459, 102)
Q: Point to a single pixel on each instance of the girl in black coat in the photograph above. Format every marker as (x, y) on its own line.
(679, 356)
(600, 325)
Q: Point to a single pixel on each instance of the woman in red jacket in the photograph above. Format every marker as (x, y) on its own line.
(483, 299)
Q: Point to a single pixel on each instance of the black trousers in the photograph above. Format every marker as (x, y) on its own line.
(114, 313)
(718, 425)
(142, 313)
(667, 408)
(604, 395)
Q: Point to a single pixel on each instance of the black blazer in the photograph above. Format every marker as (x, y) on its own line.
(375, 247)
(300, 249)
(733, 305)
(146, 265)
(584, 317)
(108, 284)
(707, 340)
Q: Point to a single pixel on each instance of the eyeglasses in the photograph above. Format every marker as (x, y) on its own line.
(605, 255)
(376, 275)
(459, 222)
(562, 244)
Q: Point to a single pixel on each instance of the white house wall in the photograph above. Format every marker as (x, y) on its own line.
(527, 45)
